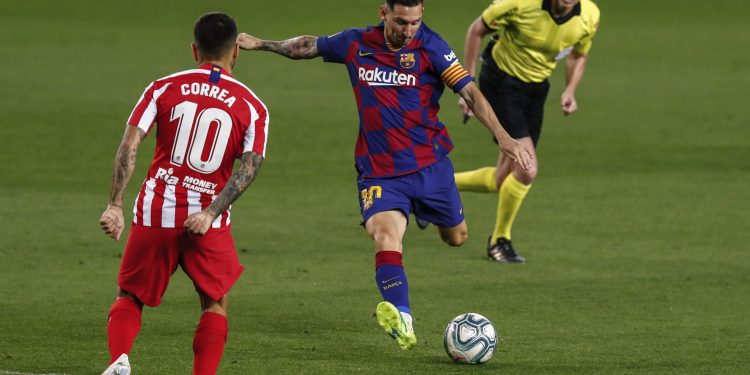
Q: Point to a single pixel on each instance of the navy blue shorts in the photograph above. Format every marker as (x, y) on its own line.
(430, 193)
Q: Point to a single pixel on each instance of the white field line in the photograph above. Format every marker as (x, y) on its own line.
(6, 372)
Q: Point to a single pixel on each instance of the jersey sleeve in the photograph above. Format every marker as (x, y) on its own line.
(496, 15)
(146, 109)
(256, 135)
(584, 45)
(334, 48)
(446, 64)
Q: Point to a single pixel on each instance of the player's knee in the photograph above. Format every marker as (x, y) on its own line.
(385, 239)
(455, 238)
(122, 293)
(218, 307)
(527, 176)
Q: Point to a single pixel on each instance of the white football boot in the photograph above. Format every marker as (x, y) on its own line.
(121, 366)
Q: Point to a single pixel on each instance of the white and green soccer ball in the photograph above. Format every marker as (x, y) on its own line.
(470, 338)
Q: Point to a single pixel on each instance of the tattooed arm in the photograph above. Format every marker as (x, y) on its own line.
(200, 222)
(112, 221)
(301, 47)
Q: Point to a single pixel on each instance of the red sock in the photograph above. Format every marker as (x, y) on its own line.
(208, 344)
(123, 326)
(383, 257)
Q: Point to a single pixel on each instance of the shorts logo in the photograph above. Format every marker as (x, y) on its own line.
(407, 60)
(369, 194)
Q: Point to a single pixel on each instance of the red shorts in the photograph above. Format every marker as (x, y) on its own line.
(152, 255)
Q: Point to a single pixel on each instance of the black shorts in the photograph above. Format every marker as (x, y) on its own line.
(517, 104)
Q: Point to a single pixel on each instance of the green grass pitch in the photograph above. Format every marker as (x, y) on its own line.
(636, 231)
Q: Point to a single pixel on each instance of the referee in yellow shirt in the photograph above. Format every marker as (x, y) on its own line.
(533, 36)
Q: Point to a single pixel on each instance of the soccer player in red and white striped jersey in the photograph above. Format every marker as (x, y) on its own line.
(204, 120)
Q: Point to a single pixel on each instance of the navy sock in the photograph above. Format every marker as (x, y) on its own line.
(391, 279)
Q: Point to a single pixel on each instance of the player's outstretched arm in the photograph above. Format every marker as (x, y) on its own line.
(200, 222)
(481, 108)
(112, 220)
(301, 47)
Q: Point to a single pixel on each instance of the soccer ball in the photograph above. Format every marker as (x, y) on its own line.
(470, 338)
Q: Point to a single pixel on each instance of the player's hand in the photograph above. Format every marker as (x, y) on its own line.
(112, 221)
(248, 42)
(465, 109)
(568, 103)
(516, 152)
(199, 223)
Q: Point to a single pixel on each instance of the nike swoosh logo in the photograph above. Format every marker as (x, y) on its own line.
(389, 280)
(363, 54)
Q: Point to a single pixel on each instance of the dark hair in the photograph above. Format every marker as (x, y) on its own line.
(215, 34)
(407, 3)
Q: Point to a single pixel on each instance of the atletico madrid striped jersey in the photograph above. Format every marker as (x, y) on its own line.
(398, 95)
(205, 119)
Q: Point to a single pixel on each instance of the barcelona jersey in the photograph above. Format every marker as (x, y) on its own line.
(398, 94)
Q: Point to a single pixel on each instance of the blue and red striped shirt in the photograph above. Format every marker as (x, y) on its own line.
(398, 94)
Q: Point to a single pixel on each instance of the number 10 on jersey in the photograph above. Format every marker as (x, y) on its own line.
(194, 145)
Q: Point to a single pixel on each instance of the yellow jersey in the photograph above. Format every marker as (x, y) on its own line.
(532, 41)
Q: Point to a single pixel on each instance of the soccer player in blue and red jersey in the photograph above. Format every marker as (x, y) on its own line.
(398, 71)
